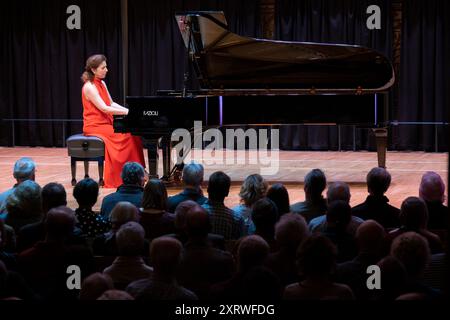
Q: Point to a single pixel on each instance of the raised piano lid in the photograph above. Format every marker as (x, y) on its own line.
(230, 64)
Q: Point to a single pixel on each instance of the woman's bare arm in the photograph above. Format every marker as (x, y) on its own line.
(113, 104)
(92, 94)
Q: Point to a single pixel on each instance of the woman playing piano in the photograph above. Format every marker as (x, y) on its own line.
(98, 111)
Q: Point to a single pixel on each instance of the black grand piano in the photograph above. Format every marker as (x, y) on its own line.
(246, 81)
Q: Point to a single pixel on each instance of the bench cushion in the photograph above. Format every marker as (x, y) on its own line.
(81, 146)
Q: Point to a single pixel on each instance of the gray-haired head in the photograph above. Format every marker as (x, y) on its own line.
(25, 201)
(133, 174)
(24, 169)
(338, 191)
(122, 213)
(193, 174)
(432, 187)
(130, 239)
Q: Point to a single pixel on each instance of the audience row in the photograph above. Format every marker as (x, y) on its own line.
(147, 245)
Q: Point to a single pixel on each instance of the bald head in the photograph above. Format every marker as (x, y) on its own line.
(123, 212)
(130, 239)
(370, 236)
(197, 222)
(432, 188)
(291, 230)
(252, 251)
(338, 191)
(165, 254)
(181, 211)
(94, 286)
(60, 222)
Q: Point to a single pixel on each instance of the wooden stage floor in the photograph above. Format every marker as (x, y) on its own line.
(406, 168)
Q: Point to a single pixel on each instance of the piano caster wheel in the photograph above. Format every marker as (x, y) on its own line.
(73, 182)
(101, 182)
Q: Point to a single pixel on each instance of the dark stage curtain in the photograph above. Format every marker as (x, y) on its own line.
(424, 75)
(41, 62)
(157, 56)
(342, 21)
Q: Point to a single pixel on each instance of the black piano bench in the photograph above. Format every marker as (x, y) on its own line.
(86, 148)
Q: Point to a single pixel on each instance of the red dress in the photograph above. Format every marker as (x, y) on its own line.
(119, 147)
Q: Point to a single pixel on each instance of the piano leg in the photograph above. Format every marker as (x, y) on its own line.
(381, 135)
(152, 152)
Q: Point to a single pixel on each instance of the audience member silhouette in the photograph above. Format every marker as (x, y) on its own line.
(376, 206)
(314, 205)
(165, 256)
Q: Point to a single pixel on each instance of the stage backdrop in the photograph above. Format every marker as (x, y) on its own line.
(424, 82)
(331, 22)
(41, 60)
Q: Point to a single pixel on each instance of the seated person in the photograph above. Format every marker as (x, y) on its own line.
(432, 190)
(202, 265)
(290, 231)
(90, 222)
(370, 238)
(224, 221)
(252, 252)
(280, 196)
(94, 285)
(105, 244)
(414, 217)
(412, 250)
(376, 206)
(192, 178)
(53, 195)
(24, 205)
(314, 205)
(129, 265)
(316, 261)
(338, 218)
(393, 280)
(131, 190)
(336, 191)
(253, 188)
(216, 240)
(24, 169)
(153, 215)
(165, 256)
(264, 217)
(44, 266)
